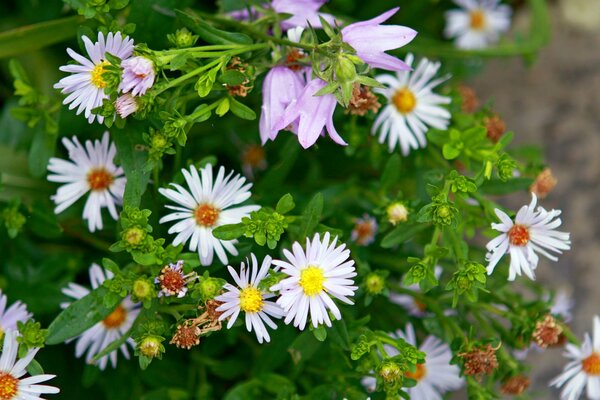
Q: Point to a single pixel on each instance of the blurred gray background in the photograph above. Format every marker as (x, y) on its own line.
(555, 103)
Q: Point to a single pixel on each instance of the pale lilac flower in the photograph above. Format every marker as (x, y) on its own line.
(280, 87)
(303, 12)
(312, 114)
(370, 39)
(125, 105)
(138, 75)
(17, 312)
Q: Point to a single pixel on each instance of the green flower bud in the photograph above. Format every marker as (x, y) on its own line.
(133, 236)
(390, 372)
(374, 283)
(151, 346)
(13, 220)
(182, 38)
(142, 289)
(32, 334)
(345, 70)
(397, 212)
(209, 287)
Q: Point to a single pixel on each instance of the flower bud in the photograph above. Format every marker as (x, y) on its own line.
(133, 236)
(390, 372)
(142, 289)
(345, 70)
(209, 287)
(126, 105)
(397, 212)
(151, 346)
(182, 38)
(374, 283)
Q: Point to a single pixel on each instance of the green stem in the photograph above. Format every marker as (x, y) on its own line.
(187, 76)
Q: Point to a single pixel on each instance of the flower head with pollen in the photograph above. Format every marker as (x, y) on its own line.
(412, 106)
(533, 231)
(246, 297)
(172, 280)
(86, 85)
(315, 275)
(13, 384)
(583, 370)
(209, 202)
(364, 231)
(435, 376)
(477, 23)
(90, 170)
(110, 329)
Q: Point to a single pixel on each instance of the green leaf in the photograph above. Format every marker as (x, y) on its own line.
(34, 368)
(450, 152)
(311, 216)
(229, 232)
(320, 333)
(391, 173)
(81, 315)
(209, 33)
(223, 107)
(497, 187)
(232, 77)
(110, 265)
(133, 159)
(241, 110)
(285, 204)
(42, 148)
(402, 233)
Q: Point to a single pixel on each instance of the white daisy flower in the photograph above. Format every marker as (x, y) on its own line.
(90, 169)
(12, 384)
(478, 23)
(435, 376)
(9, 317)
(532, 232)
(111, 328)
(410, 303)
(205, 206)
(247, 297)
(85, 86)
(583, 371)
(316, 274)
(412, 106)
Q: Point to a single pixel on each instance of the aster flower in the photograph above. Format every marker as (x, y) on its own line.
(125, 105)
(477, 23)
(110, 329)
(280, 87)
(85, 86)
(410, 303)
(9, 317)
(207, 205)
(534, 231)
(315, 275)
(312, 114)
(247, 297)
(371, 40)
(303, 13)
(12, 384)
(435, 376)
(412, 106)
(364, 231)
(173, 281)
(90, 169)
(138, 75)
(583, 371)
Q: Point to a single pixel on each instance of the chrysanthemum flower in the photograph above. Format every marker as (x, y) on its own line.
(12, 384)
(532, 232)
(9, 317)
(111, 328)
(90, 169)
(410, 303)
(316, 274)
(371, 40)
(85, 86)
(478, 23)
(172, 280)
(412, 106)
(247, 297)
(364, 231)
(583, 371)
(125, 105)
(435, 376)
(138, 75)
(206, 205)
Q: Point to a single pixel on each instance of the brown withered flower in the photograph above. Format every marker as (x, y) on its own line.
(362, 101)
(495, 127)
(470, 102)
(515, 385)
(547, 332)
(480, 361)
(543, 184)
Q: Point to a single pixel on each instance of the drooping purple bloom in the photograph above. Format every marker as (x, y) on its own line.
(280, 87)
(313, 114)
(303, 12)
(138, 75)
(370, 39)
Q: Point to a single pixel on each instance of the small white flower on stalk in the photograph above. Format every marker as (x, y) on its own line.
(583, 371)
(412, 106)
(478, 23)
(250, 299)
(534, 231)
(125, 105)
(90, 169)
(315, 275)
(364, 231)
(85, 86)
(138, 75)
(110, 329)
(206, 205)
(12, 384)
(435, 376)
(9, 317)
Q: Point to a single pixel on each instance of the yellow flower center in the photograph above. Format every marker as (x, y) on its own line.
(591, 364)
(518, 235)
(9, 385)
(206, 215)
(116, 318)
(97, 75)
(99, 179)
(418, 374)
(477, 20)
(251, 300)
(404, 100)
(311, 280)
